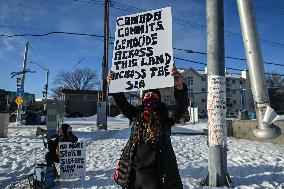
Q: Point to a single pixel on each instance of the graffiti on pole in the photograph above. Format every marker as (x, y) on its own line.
(216, 107)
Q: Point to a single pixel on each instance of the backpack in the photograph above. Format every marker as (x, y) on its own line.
(43, 176)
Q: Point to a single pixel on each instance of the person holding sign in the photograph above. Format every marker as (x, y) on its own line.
(65, 135)
(148, 160)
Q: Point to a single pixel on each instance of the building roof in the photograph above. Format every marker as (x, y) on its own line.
(71, 91)
(9, 92)
(204, 73)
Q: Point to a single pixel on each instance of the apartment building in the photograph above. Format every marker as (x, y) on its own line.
(238, 92)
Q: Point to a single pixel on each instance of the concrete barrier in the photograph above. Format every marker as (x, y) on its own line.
(4, 121)
(243, 129)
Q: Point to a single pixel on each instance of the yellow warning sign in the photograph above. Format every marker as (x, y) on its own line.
(19, 100)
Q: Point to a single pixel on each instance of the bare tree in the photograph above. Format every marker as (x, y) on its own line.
(275, 84)
(274, 80)
(79, 79)
(56, 92)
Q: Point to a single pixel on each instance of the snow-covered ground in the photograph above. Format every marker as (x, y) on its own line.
(250, 164)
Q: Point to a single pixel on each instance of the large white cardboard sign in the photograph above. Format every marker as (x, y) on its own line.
(72, 160)
(143, 54)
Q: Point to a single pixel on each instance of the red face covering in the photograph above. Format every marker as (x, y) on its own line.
(150, 103)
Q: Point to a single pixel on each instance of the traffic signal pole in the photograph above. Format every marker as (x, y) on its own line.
(256, 70)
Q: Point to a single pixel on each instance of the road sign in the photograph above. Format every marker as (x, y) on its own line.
(19, 100)
(20, 92)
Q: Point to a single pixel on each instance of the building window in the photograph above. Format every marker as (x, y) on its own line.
(203, 90)
(203, 100)
(234, 102)
(203, 79)
(190, 80)
(233, 91)
(233, 81)
(241, 82)
(227, 80)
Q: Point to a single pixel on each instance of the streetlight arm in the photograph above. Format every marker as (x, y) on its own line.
(40, 66)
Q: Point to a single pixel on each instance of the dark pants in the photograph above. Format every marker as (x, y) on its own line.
(146, 179)
(51, 158)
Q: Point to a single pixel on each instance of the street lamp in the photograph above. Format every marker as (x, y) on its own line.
(46, 81)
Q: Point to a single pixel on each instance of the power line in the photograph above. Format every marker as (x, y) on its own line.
(202, 63)
(50, 33)
(195, 25)
(270, 4)
(101, 36)
(236, 13)
(84, 57)
(125, 7)
(228, 57)
(36, 56)
(92, 2)
(269, 11)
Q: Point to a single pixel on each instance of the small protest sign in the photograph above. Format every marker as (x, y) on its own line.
(72, 160)
(143, 54)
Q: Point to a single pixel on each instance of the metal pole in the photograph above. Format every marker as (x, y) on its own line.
(105, 62)
(23, 80)
(193, 109)
(46, 85)
(241, 99)
(216, 99)
(102, 115)
(256, 69)
(7, 102)
(46, 88)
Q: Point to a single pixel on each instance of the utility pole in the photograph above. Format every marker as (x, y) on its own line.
(242, 107)
(23, 80)
(102, 104)
(46, 87)
(256, 70)
(8, 103)
(216, 99)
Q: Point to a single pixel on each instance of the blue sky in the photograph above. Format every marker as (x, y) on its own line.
(63, 52)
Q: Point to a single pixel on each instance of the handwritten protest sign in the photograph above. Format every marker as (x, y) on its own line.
(142, 55)
(72, 160)
(216, 107)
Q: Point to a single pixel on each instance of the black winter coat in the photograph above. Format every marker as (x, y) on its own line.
(51, 156)
(168, 169)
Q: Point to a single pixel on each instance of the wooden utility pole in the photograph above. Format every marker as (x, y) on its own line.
(102, 104)
(23, 81)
